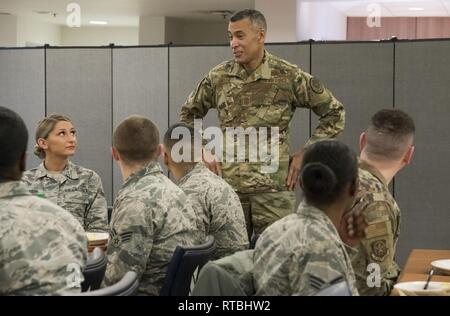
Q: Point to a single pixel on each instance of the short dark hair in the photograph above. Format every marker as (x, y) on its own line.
(136, 139)
(170, 139)
(389, 135)
(326, 169)
(13, 139)
(256, 17)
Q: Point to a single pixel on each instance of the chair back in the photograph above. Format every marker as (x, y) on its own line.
(94, 271)
(184, 267)
(127, 286)
(110, 209)
(253, 241)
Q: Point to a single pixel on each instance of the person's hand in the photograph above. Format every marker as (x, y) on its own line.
(352, 228)
(294, 169)
(211, 161)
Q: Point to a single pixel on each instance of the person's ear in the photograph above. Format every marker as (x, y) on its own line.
(166, 158)
(408, 155)
(362, 141)
(159, 150)
(262, 36)
(43, 143)
(115, 154)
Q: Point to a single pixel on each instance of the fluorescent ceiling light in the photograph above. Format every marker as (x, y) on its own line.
(416, 9)
(98, 22)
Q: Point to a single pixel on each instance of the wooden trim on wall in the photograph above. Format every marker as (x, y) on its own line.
(433, 27)
(401, 27)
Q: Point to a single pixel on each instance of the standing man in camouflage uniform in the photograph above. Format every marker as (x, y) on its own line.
(303, 253)
(151, 215)
(259, 90)
(386, 147)
(43, 247)
(76, 189)
(217, 205)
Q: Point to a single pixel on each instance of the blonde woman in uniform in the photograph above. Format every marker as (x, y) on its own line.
(74, 188)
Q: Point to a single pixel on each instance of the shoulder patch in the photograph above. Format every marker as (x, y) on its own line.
(379, 250)
(316, 85)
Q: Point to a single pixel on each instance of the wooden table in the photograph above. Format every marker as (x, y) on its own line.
(418, 265)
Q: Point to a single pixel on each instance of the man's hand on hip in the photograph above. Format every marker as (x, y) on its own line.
(294, 169)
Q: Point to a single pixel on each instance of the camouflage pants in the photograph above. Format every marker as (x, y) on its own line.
(262, 209)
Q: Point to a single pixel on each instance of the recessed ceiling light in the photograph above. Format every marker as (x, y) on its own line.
(416, 9)
(98, 22)
(42, 12)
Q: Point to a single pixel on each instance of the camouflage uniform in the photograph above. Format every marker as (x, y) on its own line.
(76, 189)
(266, 98)
(383, 217)
(300, 255)
(41, 245)
(150, 218)
(221, 213)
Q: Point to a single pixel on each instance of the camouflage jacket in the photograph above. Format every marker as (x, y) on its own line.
(219, 210)
(266, 98)
(301, 254)
(383, 217)
(43, 247)
(150, 218)
(77, 189)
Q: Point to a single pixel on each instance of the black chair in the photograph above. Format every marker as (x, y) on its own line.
(337, 289)
(184, 266)
(128, 286)
(110, 209)
(94, 271)
(253, 241)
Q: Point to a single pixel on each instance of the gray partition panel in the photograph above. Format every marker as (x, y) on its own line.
(79, 85)
(140, 87)
(187, 66)
(360, 75)
(421, 89)
(298, 54)
(22, 89)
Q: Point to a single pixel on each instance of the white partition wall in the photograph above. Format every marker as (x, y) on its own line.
(79, 85)
(22, 89)
(140, 87)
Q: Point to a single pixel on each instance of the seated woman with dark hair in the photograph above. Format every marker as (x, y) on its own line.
(303, 252)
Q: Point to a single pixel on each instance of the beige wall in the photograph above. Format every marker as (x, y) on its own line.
(34, 33)
(8, 31)
(186, 32)
(99, 36)
(152, 30)
(281, 18)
